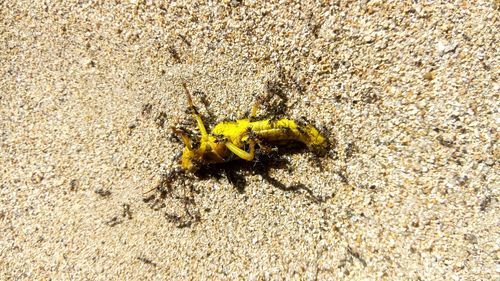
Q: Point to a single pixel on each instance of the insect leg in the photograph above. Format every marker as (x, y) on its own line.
(255, 106)
(184, 137)
(196, 115)
(242, 153)
(259, 100)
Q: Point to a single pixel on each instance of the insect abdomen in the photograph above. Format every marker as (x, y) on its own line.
(286, 129)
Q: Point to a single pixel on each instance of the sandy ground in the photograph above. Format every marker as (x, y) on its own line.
(408, 92)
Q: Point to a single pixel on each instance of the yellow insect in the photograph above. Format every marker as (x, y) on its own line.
(238, 139)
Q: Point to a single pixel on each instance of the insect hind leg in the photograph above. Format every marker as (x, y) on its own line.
(248, 156)
(184, 137)
(196, 115)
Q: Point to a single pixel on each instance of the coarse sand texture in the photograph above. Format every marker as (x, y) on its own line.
(406, 91)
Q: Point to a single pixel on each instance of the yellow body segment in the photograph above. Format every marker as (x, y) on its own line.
(272, 131)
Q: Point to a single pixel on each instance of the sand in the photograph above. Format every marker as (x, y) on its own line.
(408, 92)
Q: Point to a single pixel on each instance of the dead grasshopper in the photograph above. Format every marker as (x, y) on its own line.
(237, 139)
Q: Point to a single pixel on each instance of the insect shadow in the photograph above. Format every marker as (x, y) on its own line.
(236, 171)
(177, 185)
